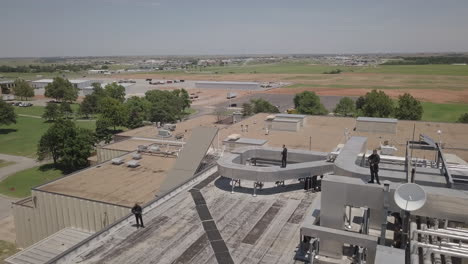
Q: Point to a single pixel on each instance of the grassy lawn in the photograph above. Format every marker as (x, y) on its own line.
(443, 112)
(6, 249)
(39, 110)
(190, 111)
(4, 163)
(308, 68)
(19, 184)
(33, 110)
(22, 138)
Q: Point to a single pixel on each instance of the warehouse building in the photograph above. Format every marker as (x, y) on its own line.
(227, 85)
(96, 197)
(194, 218)
(80, 84)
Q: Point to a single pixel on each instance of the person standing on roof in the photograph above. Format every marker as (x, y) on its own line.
(374, 161)
(138, 212)
(284, 156)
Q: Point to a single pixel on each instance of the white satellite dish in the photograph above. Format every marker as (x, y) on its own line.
(410, 197)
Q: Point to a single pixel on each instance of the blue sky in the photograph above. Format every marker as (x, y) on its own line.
(182, 27)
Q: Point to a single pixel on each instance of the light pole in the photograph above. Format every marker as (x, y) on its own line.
(440, 142)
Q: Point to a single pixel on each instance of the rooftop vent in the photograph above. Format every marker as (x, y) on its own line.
(117, 161)
(154, 148)
(234, 137)
(133, 163)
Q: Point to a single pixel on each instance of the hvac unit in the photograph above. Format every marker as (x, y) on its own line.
(136, 156)
(164, 133)
(133, 163)
(117, 161)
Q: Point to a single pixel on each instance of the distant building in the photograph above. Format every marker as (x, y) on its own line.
(98, 71)
(227, 85)
(80, 84)
(6, 85)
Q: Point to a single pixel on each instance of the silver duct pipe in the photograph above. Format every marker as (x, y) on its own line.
(413, 239)
(459, 230)
(441, 234)
(435, 226)
(455, 245)
(426, 257)
(440, 250)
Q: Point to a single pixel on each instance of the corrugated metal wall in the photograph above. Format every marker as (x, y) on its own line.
(53, 212)
(108, 154)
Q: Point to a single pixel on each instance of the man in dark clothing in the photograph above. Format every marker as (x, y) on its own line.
(284, 156)
(138, 211)
(374, 160)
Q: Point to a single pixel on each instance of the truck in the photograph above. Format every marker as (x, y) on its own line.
(231, 95)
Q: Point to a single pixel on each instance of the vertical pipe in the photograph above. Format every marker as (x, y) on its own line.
(413, 237)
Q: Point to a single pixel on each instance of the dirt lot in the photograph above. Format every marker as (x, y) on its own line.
(431, 88)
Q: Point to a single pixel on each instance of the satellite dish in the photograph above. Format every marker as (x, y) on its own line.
(410, 197)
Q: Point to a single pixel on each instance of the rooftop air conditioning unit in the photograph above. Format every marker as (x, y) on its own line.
(270, 117)
(164, 133)
(142, 148)
(136, 156)
(117, 161)
(387, 150)
(154, 148)
(234, 137)
(133, 163)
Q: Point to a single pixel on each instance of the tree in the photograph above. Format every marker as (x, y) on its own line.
(89, 106)
(247, 109)
(7, 114)
(113, 110)
(137, 109)
(184, 98)
(103, 133)
(309, 103)
(345, 107)
(116, 91)
(23, 89)
(52, 112)
(408, 108)
(65, 109)
(66, 143)
(263, 106)
(61, 90)
(98, 90)
(463, 118)
(166, 106)
(78, 148)
(378, 104)
(360, 102)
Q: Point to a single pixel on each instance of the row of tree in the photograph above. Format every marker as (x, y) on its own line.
(428, 60)
(378, 104)
(45, 68)
(373, 104)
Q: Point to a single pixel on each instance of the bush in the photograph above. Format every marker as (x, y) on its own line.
(345, 107)
(408, 108)
(463, 118)
(309, 103)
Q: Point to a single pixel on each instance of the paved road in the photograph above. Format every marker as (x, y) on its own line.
(21, 163)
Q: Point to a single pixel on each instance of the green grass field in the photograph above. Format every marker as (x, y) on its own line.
(4, 163)
(39, 110)
(6, 249)
(443, 112)
(22, 138)
(19, 184)
(308, 68)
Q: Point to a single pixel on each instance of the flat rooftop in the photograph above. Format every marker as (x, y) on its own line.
(128, 145)
(116, 184)
(184, 127)
(212, 226)
(323, 133)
